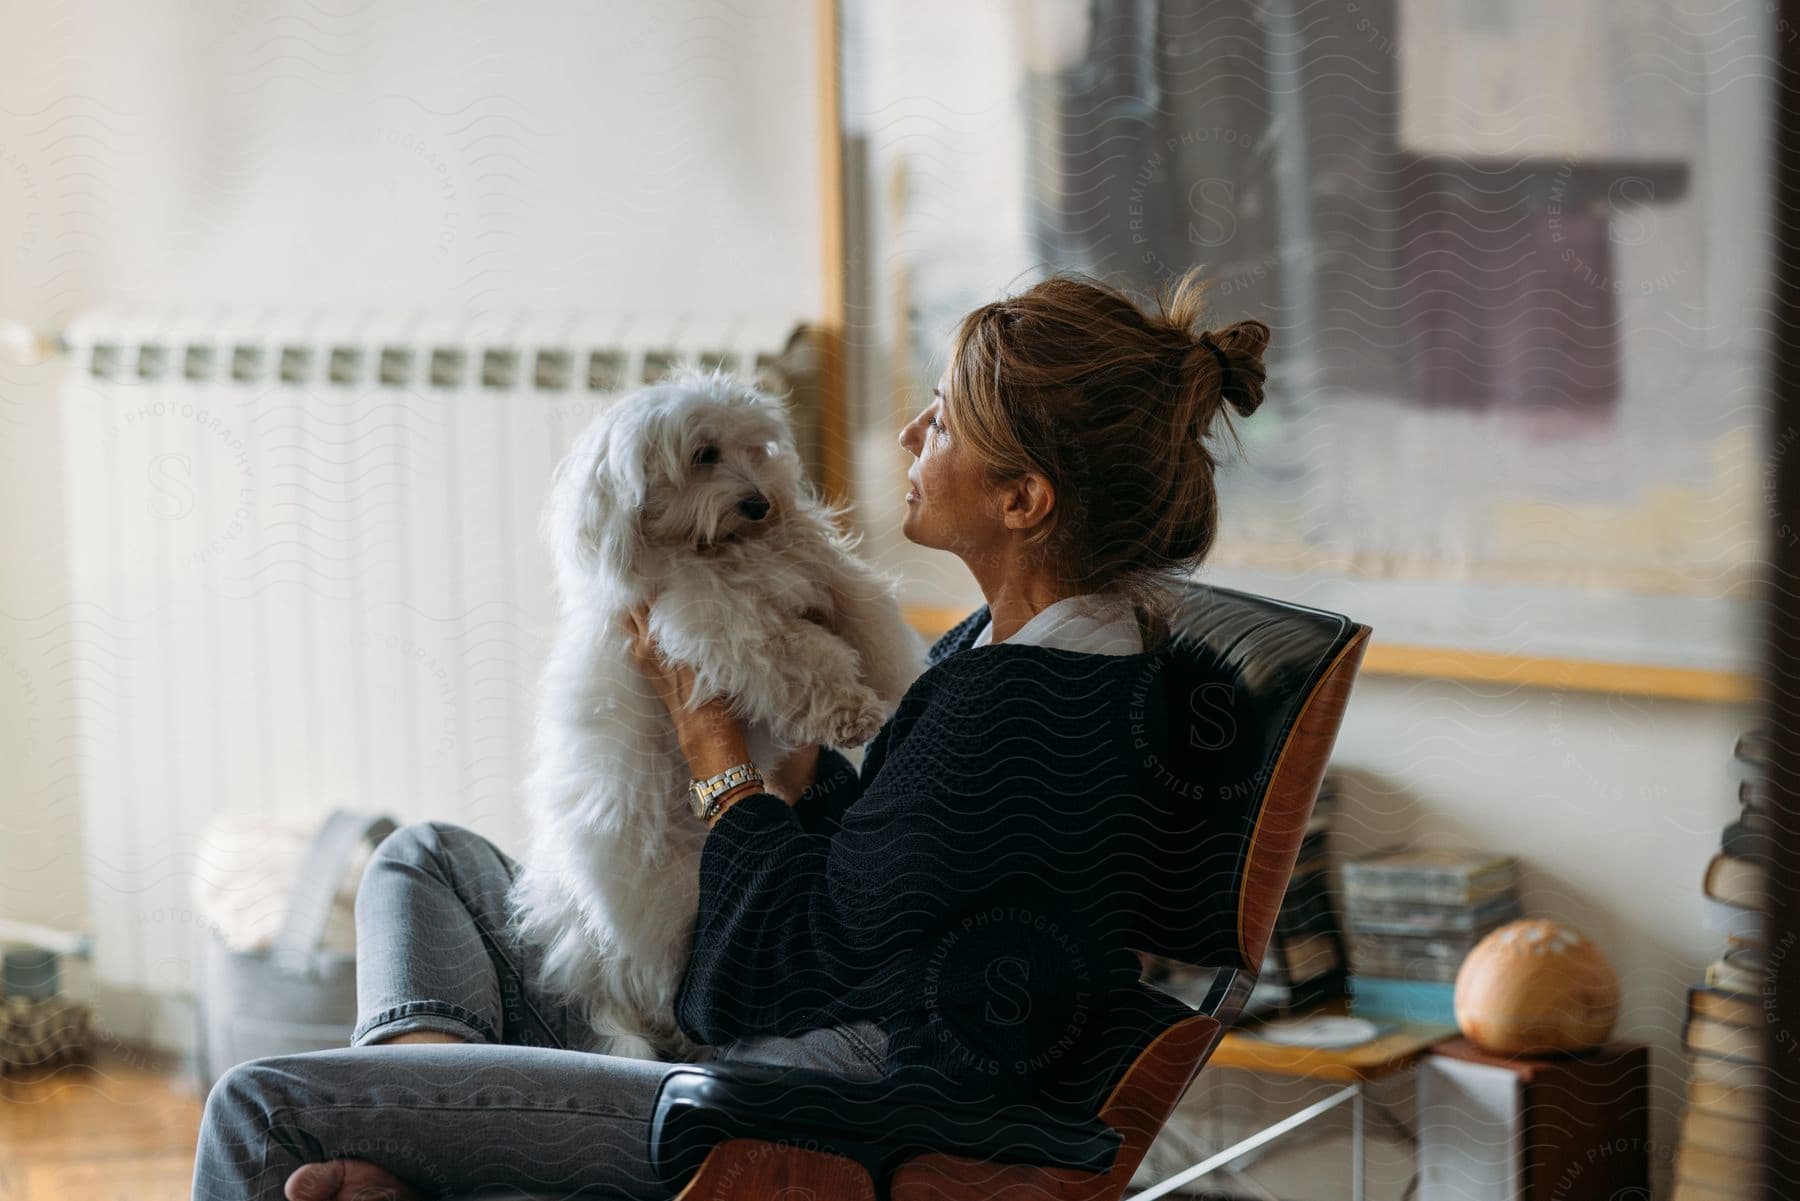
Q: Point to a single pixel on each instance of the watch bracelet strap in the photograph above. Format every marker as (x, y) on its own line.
(716, 786)
(732, 776)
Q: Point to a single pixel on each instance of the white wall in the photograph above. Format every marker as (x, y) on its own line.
(554, 156)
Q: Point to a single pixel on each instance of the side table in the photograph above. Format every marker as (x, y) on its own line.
(1400, 1048)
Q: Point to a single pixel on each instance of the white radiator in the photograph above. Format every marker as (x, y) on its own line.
(306, 572)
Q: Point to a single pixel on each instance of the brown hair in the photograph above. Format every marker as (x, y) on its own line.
(1113, 402)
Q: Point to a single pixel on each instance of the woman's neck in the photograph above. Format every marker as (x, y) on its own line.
(1013, 603)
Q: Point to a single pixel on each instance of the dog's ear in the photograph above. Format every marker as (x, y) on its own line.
(615, 532)
(595, 495)
(781, 409)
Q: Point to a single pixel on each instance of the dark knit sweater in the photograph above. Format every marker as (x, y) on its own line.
(969, 889)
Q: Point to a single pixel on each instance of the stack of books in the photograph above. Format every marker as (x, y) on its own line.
(1413, 917)
(1305, 963)
(1725, 1028)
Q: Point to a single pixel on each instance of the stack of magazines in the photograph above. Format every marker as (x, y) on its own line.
(1413, 917)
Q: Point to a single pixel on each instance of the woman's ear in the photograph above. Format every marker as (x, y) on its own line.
(1026, 501)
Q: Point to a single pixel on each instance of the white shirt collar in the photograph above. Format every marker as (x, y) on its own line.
(1098, 623)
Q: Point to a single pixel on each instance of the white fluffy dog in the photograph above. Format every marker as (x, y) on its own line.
(690, 492)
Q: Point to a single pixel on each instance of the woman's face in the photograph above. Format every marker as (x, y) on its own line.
(948, 506)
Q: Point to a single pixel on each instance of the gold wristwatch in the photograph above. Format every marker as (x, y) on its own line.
(703, 795)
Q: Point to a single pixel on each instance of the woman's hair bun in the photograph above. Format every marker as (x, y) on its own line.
(1240, 370)
(1223, 366)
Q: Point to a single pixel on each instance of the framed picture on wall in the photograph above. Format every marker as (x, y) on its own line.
(1515, 409)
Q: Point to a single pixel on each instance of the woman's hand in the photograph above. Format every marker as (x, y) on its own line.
(346, 1180)
(674, 682)
(710, 736)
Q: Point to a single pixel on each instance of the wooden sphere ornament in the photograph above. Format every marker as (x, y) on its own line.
(1534, 987)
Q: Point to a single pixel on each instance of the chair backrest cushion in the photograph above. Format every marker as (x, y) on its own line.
(1246, 680)
(1253, 692)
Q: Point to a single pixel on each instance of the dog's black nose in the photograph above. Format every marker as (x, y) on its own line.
(754, 507)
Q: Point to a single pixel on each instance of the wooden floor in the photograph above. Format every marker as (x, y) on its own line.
(120, 1128)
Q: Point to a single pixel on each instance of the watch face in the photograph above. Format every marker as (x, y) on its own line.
(696, 802)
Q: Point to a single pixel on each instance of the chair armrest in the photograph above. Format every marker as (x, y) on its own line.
(878, 1123)
(1228, 988)
(1227, 995)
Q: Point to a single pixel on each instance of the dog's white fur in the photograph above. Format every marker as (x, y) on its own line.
(777, 614)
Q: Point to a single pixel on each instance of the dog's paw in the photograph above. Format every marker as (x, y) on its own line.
(856, 726)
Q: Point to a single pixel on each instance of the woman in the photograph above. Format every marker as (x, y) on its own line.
(952, 913)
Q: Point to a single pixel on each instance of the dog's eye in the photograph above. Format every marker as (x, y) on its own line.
(707, 454)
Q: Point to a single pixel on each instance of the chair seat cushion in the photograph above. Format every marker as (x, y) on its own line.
(879, 1123)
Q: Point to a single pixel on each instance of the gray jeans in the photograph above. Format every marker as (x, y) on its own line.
(525, 1103)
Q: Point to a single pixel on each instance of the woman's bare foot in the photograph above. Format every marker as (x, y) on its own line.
(419, 1036)
(347, 1180)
